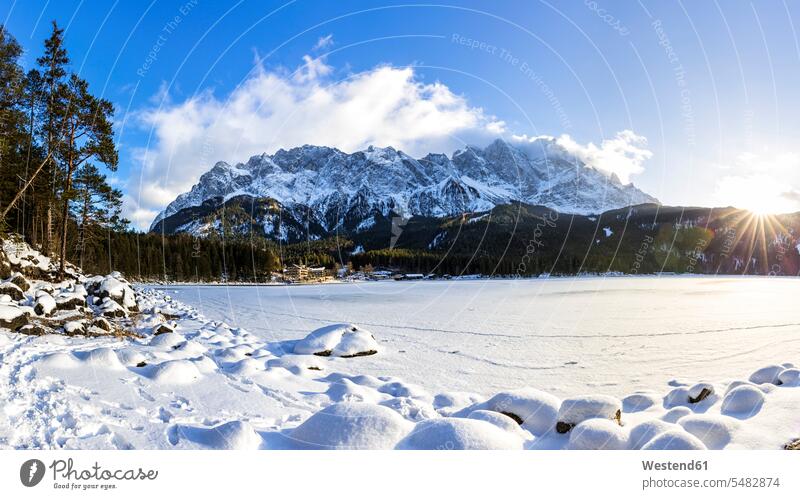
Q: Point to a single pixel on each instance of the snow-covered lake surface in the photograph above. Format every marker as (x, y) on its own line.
(565, 336)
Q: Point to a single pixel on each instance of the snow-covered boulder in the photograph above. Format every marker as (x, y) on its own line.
(674, 414)
(12, 316)
(102, 323)
(101, 358)
(714, 431)
(116, 288)
(597, 434)
(640, 401)
(351, 425)
(768, 374)
(34, 330)
(20, 281)
(533, 409)
(12, 290)
(162, 328)
(233, 435)
(501, 421)
(45, 304)
(73, 328)
(459, 434)
(576, 410)
(743, 401)
(166, 341)
(675, 440)
(70, 301)
(175, 372)
(700, 392)
(644, 432)
(110, 308)
(789, 377)
(338, 340)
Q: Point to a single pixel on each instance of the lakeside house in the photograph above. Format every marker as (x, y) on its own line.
(302, 273)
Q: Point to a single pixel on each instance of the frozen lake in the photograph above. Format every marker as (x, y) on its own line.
(566, 336)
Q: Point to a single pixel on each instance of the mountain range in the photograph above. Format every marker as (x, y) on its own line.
(313, 192)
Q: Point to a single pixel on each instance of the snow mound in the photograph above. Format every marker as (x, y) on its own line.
(597, 434)
(501, 421)
(743, 402)
(234, 435)
(175, 372)
(767, 374)
(639, 401)
(60, 360)
(789, 377)
(338, 340)
(448, 403)
(533, 409)
(576, 410)
(675, 440)
(644, 432)
(101, 358)
(351, 425)
(714, 431)
(673, 415)
(412, 409)
(166, 340)
(459, 434)
(347, 391)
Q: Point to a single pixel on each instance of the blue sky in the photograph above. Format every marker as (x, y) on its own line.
(695, 102)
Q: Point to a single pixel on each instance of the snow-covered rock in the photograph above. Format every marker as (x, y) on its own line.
(675, 440)
(12, 290)
(45, 304)
(175, 372)
(789, 377)
(646, 431)
(597, 434)
(12, 316)
(533, 409)
(459, 434)
(714, 431)
(233, 435)
(578, 409)
(338, 340)
(351, 425)
(768, 374)
(743, 401)
(640, 401)
(501, 421)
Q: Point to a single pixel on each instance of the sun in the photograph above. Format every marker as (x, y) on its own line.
(758, 194)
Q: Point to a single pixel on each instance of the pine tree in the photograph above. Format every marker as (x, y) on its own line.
(54, 63)
(88, 135)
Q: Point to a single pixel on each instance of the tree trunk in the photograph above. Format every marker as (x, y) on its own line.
(24, 188)
(65, 205)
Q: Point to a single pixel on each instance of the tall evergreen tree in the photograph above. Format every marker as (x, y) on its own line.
(54, 63)
(88, 135)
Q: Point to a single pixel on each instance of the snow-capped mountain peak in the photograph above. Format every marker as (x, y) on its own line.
(335, 190)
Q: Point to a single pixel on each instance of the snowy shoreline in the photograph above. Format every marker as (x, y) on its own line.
(166, 377)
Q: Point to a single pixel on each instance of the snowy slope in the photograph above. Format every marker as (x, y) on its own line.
(336, 190)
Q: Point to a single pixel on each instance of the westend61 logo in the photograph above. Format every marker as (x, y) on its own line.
(67, 476)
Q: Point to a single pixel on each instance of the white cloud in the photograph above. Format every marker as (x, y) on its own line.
(271, 110)
(623, 155)
(323, 42)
